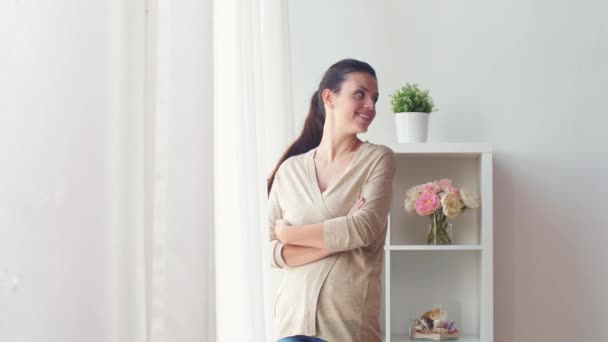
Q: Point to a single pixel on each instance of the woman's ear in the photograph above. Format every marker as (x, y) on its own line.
(328, 98)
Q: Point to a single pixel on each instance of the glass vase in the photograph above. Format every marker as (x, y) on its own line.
(440, 230)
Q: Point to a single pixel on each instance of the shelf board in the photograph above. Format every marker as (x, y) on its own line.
(433, 248)
(408, 339)
(442, 148)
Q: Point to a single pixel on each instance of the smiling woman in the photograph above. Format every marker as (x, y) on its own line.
(329, 199)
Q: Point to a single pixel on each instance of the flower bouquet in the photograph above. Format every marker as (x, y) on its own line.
(439, 200)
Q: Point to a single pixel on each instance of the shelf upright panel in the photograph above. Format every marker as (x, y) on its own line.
(487, 258)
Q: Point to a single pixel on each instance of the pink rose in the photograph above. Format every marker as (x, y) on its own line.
(446, 186)
(430, 187)
(427, 203)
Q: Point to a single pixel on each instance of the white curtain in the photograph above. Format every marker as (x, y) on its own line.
(252, 124)
(205, 112)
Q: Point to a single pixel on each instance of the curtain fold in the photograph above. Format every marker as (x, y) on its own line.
(127, 183)
(276, 125)
(180, 253)
(237, 179)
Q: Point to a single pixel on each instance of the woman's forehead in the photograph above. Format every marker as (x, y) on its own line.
(360, 79)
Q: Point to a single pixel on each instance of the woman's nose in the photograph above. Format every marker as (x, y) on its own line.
(369, 103)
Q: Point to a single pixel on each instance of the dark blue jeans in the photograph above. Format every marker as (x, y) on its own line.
(301, 338)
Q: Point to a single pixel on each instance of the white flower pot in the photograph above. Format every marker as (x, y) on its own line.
(412, 127)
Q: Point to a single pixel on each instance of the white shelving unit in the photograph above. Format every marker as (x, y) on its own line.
(459, 276)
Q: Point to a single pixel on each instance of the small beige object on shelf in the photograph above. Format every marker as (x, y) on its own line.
(432, 326)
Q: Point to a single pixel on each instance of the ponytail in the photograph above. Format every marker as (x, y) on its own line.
(309, 138)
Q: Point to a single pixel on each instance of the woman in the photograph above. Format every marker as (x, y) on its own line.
(329, 196)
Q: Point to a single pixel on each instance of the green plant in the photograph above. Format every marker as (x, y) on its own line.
(410, 98)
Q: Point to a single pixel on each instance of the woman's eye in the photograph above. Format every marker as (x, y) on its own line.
(359, 94)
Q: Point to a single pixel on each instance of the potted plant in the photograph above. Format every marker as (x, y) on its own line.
(412, 107)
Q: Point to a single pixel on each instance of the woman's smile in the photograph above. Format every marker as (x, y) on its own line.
(365, 118)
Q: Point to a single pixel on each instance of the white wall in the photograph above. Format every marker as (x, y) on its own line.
(528, 76)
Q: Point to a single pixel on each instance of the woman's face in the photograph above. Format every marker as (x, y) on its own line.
(354, 107)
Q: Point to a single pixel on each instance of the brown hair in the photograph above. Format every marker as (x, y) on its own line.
(311, 134)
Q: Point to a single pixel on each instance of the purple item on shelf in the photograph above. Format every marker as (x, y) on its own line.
(450, 326)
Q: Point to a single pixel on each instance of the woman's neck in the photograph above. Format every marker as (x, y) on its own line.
(334, 146)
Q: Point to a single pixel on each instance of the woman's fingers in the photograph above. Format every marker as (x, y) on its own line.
(360, 203)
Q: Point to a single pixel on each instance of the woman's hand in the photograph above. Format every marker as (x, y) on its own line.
(357, 206)
(279, 229)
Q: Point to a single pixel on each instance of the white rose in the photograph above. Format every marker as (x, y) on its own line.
(413, 194)
(408, 205)
(469, 198)
(452, 205)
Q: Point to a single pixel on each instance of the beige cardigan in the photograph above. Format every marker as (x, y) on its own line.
(337, 298)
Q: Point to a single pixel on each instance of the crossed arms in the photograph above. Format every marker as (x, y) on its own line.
(293, 246)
